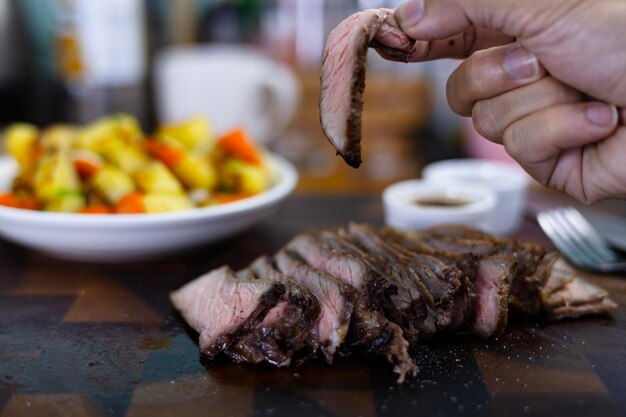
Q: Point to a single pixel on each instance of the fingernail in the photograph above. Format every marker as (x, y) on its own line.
(410, 13)
(601, 114)
(520, 64)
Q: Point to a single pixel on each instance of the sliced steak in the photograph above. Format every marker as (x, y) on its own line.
(576, 292)
(370, 330)
(343, 75)
(286, 328)
(491, 286)
(464, 260)
(221, 307)
(527, 287)
(560, 275)
(437, 293)
(458, 269)
(403, 304)
(336, 301)
(604, 306)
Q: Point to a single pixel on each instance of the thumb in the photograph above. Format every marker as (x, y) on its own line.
(439, 19)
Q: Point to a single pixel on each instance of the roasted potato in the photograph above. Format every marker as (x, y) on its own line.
(59, 137)
(123, 155)
(121, 127)
(155, 177)
(22, 143)
(196, 172)
(55, 176)
(112, 184)
(166, 202)
(241, 177)
(67, 203)
(193, 134)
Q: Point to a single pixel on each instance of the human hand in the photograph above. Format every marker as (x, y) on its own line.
(527, 79)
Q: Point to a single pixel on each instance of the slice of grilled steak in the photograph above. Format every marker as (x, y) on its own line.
(491, 286)
(286, 328)
(526, 288)
(604, 306)
(221, 307)
(437, 293)
(404, 304)
(457, 269)
(336, 301)
(465, 261)
(370, 330)
(576, 292)
(561, 273)
(343, 75)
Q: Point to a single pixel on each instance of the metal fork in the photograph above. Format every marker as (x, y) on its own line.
(579, 241)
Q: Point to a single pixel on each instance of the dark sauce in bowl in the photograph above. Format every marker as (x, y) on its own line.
(441, 202)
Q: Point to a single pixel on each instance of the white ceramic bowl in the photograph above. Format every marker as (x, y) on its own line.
(124, 238)
(401, 210)
(509, 182)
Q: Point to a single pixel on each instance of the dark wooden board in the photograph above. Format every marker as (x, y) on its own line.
(81, 339)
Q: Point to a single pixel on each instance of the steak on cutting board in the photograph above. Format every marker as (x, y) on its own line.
(335, 297)
(379, 291)
(221, 307)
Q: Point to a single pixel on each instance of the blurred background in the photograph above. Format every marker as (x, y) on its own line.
(241, 62)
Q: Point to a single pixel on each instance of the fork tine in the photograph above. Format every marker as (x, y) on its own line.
(577, 238)
(590, 235)
(552, 227)
(564, 229)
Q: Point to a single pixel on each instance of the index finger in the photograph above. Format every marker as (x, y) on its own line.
(459, 46)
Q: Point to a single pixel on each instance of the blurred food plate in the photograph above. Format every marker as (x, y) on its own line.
(134, 237)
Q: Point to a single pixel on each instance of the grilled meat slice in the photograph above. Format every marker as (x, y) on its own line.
(286, 328)
(404, 303)
(343, 75)
(222, 307)
(370, 330)
(467, 262)
(561, 274)
(335, 297)
(436, 292)
(604, 306)
(491, 286)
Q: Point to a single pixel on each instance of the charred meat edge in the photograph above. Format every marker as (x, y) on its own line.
(277, 341)
(296, 268)
(369, 329)
(373, 21)
(269, 299)
(406, 310)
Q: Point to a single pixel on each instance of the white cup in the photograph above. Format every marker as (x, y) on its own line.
(509, 183)
(402, 208)
(232, 86)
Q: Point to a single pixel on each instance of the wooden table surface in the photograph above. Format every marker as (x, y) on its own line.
(97, 340)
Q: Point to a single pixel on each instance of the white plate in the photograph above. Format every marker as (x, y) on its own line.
(124, 237)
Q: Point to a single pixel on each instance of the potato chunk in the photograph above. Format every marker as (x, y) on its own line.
(166, 202)
(193, 134)
(155, 177)
(21, 142)
(112, 184)
(242, 177)
(55, 175)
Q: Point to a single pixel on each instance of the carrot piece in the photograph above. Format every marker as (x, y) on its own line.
(236, 143)
(169, 155)
(85, 168)
(10, 200)
(229, 198)
(131, 204)
(30, 203)
(96, 209)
